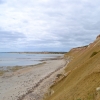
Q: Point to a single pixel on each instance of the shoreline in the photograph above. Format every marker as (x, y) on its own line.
(47, 80)
(31, 79)
(6, 69)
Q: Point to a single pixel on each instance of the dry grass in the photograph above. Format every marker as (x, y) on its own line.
(2, 72)
(15, 68)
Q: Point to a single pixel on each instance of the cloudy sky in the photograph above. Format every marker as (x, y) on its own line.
(48, 25)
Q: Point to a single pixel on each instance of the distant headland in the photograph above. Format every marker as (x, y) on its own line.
(37, 52)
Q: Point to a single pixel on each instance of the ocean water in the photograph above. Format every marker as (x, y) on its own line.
(18, 59)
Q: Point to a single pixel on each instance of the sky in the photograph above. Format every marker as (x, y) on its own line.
(48, 25)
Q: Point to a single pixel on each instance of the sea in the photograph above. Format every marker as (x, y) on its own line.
(24, 59)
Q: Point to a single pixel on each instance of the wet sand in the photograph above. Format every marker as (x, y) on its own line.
(30, 83)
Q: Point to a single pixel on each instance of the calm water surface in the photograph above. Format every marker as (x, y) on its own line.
(17, 59)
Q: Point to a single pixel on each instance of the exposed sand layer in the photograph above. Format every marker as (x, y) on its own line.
(30, 83)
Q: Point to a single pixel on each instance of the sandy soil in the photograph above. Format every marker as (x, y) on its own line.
(30, 83)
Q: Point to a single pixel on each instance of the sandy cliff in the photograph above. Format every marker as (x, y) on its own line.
(83, 80)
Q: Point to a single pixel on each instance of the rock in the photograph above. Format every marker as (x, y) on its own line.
(98, 89)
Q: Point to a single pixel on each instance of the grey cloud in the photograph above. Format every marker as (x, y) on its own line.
(93, 26)
(11, 35)
(11, 41)
(52, 25)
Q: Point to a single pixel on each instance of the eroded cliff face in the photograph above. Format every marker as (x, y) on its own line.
(78, 48)
(84, 78)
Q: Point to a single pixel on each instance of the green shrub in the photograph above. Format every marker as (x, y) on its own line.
(58, 75)
(93, 54)
(2, 72)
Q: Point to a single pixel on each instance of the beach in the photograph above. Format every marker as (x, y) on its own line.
(31, 82)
